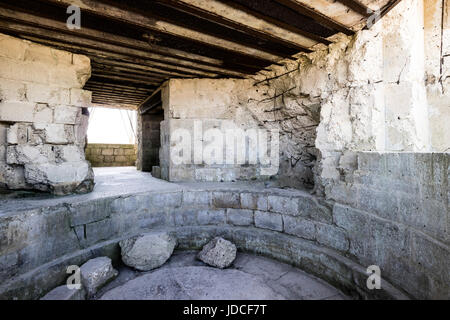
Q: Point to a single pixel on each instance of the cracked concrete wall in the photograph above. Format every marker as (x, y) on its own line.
(437, 68)
(42, 125)
(364, 93)
(369, 90)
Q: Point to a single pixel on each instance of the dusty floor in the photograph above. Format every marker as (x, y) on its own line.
(250, 277)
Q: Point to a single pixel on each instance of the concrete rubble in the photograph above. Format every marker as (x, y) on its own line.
(218, 253)
(95, 273)
(148, 251)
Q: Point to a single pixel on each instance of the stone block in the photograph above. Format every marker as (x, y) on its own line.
(240, 217)
(196, 198)
(3, 133)
(156, 172)
(283, 205)
(64, 178)
(180, 174)
(185, 217)
(120, 159)
(226, 200)
(108, 152)
(69, 153)
(299, 227)
(254, 201)
(39, 53)
(208, 174)
(219, 253)
(266, 220)
(12, 48)
(332, 236)
(67, 77)
(80, 98)
(41, 93)
(12, 176)
(2, 153)
(90, 211)
(12, 90)
(42, 113)
(66, 114)
(211, 217)
(358, 227)
(35, 72)
(129, 152)
(17, 134)
(17, 111)
(118, 152)
(28, 154)
(96, 273)
(55, 133)
(166, 200)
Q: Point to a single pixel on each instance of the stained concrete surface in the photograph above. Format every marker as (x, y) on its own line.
(250, 277)
(111, 182)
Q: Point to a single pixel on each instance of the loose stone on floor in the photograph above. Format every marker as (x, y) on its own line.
(218, 253)
(148, 251)
(96, 273)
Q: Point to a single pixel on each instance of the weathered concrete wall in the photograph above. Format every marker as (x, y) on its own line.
(437, 64)
(394, 207)
(41, 101)
(149, 141)
(111, 155)
(195, 110)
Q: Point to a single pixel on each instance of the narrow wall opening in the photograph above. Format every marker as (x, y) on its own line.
(111, 137)
(150, 115)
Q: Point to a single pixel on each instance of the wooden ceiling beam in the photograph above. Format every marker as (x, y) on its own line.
(133, 66)
(230, 17)
(357, 7)
(317, 16)
(146, 20)
(106, 37)
(114, 106)
(125, 79)
(111, 56)
(78, 39)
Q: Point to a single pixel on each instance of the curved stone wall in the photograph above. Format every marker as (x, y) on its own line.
(292, 226)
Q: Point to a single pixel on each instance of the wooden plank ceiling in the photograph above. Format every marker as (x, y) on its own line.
(136, 45)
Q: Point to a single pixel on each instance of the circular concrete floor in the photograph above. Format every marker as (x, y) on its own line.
(251, 277)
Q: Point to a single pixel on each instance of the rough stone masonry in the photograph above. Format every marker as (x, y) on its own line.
(42, 135)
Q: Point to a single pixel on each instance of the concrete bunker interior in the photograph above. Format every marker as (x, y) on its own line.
(354, 96)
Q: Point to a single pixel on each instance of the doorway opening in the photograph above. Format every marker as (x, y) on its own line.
(111, 137)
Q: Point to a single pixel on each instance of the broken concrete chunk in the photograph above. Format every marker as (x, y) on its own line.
(218, 253)
(96, 273)
(64, 293)
(149, 251)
